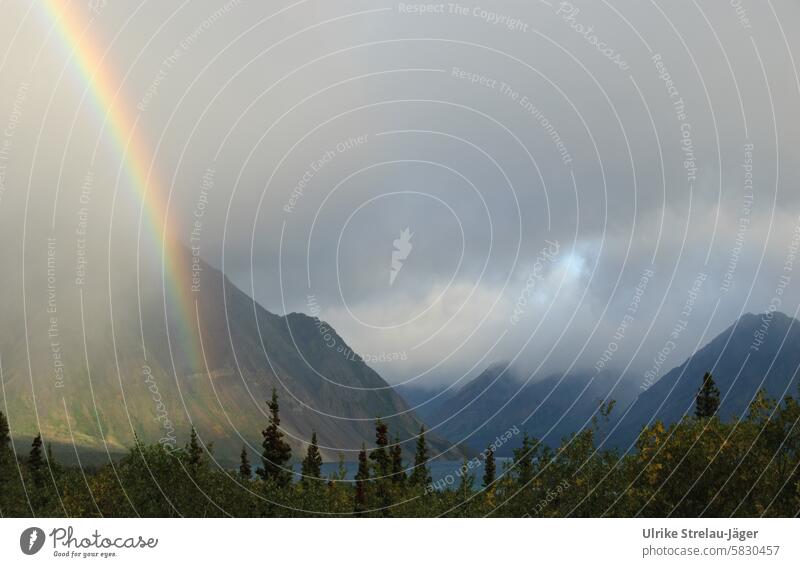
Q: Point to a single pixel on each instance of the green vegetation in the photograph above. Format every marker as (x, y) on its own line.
(277, 452)
(707, 399)
(245, 470)
(421, 476)
(489, 468)
(311, 470)
(700, 466)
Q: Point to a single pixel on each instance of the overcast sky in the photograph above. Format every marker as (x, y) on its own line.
(562, 169)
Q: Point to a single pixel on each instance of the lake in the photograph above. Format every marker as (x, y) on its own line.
(444, 473)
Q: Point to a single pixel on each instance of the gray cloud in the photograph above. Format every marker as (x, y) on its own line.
(484, 141)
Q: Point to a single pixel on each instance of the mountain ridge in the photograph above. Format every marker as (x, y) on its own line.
(134, 376)
(742, 359)
(756, 351)
(498, 400)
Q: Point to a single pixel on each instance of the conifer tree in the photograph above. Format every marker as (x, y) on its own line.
(194, 452)
(277, 452)
(421, 475)
(362, 477)
(37, 468)
(489, 468)
(398, 472)
(467, 479)
(36, 464)
(341, 469)
(6, 460)
(245, 470)
(5, 437)
(6, 453)
(380, 456)
(383, 466)
(523, 460)
(707, 399)
(312, 464)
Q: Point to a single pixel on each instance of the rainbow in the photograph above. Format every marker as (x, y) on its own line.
(121, 121)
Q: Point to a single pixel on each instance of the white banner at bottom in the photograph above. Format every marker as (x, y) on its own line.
(395, 542)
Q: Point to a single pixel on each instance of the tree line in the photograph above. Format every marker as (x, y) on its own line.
(700, 466)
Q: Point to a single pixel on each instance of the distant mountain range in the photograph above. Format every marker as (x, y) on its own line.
(500, 400)
(758, 351)
(91, 365)
(134, 383)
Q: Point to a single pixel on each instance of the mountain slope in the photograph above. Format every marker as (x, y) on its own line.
(498, 401)
(743, 359)
(152, 377)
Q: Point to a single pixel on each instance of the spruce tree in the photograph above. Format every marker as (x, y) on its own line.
(341, 470)
(277, 452)
(312, 464)
(421, 475)
(383, 466)
(37, 467)
(707, 399)
(523, 460)
(194, 452)
(6, 462)
(5, 435)
(464, 490)
(380, 456)
(398, 472)
(36, 464)
(245, 470)
(489, 468)
(362, 477)
(6, 453)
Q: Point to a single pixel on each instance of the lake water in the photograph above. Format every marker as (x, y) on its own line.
(444, 473)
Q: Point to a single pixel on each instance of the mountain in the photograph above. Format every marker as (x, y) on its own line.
(423, 399)
(499, 401)
(758, 351)
(91, 365)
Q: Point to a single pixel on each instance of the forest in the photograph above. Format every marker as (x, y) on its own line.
(701, 466)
